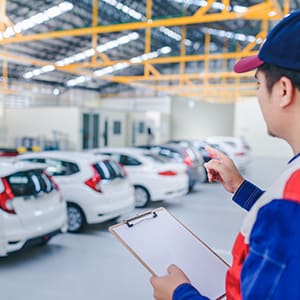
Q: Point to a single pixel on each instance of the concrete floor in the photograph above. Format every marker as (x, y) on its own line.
(93, 265)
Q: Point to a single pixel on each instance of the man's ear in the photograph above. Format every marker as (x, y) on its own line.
(286, 90)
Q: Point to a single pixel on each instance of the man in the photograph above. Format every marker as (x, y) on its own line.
(266, 253)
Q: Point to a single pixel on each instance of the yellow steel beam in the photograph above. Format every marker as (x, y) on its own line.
(176, 77)
(194, 88)
(161, 60)
(172, 59)
(201, 11)
(2, 15)
(94, 24)
(4, 74)
(286, 7)
(255, 12)
(226, 4)
(277, 8)
(224, 61)
(182, 53)
(147, 47)
(206, 59)
(151, 69)
(9, 91)
(200, 57)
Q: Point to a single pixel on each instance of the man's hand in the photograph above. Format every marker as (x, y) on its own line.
(164, 286)
(221, 168)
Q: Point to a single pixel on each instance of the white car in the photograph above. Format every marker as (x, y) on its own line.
(153, 177)
(96, 189)
(236, 148)
(32, 209)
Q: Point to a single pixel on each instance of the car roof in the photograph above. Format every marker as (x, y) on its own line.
(125, 150)
(175, 146)
(10, 167)
(65, 155)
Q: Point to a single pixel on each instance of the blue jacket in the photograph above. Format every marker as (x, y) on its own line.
(266, 254)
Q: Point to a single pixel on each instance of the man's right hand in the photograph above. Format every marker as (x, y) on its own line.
(222, 169)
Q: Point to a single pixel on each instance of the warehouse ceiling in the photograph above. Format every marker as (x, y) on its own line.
(181, 47)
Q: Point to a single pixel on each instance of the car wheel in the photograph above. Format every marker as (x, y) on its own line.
(141, 196)
(75, 218)
(191, 187)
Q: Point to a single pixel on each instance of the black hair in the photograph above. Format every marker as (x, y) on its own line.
(274, 73)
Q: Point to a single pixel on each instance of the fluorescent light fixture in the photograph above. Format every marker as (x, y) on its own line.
(239, 9)
(165, 50)
(78, 80)
(39, 18)
(56, 92)
(83, 55)
(120, 66)
(231, 35)
(215, 5)
(138, 16)
(125, 9)
(272, 13)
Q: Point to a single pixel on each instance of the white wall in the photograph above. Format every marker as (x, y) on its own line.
(112, 116)
(159, 104)
(153, 111)
(250, 124)
(197, 120)
(41, 121)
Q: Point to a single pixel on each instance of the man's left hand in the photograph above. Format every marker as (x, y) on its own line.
(164, 286)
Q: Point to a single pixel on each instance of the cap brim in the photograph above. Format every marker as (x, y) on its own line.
(247, 64)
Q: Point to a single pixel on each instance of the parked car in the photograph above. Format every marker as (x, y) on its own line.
(8, 152)
(185, 154)
(32, 209)
(236, 148)
(200, 145)
(153, 177)
(96, 189)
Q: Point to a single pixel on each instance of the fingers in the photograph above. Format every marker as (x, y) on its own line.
(213, 166)
(172, 268)
(153, 280)
(214, 152)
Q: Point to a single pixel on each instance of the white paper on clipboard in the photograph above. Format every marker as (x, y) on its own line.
(157, 239)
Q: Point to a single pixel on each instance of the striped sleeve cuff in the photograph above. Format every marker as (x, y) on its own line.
(247, 194)
(186, 291)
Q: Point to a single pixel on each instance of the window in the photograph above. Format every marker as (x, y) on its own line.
(117, 127)
(58, 167)
(157, 158)
(104, 170)
(36, 160)
(109, 169)
(126, 160)
(30, 183)
(141, 127)
(117, 169)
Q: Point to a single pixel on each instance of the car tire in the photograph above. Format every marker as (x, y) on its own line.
(141, 196)
(191, 187)
(76, 218)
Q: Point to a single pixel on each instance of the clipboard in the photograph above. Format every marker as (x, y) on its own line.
(157, 239)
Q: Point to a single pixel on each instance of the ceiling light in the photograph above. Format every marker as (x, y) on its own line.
(119, 66)
(272, 13)
(138, 16)
(56, 92)
(38, 19)
(239, 9)
(231, 35)
(83, 55)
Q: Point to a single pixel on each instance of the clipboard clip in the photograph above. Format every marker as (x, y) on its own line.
(140, 217)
